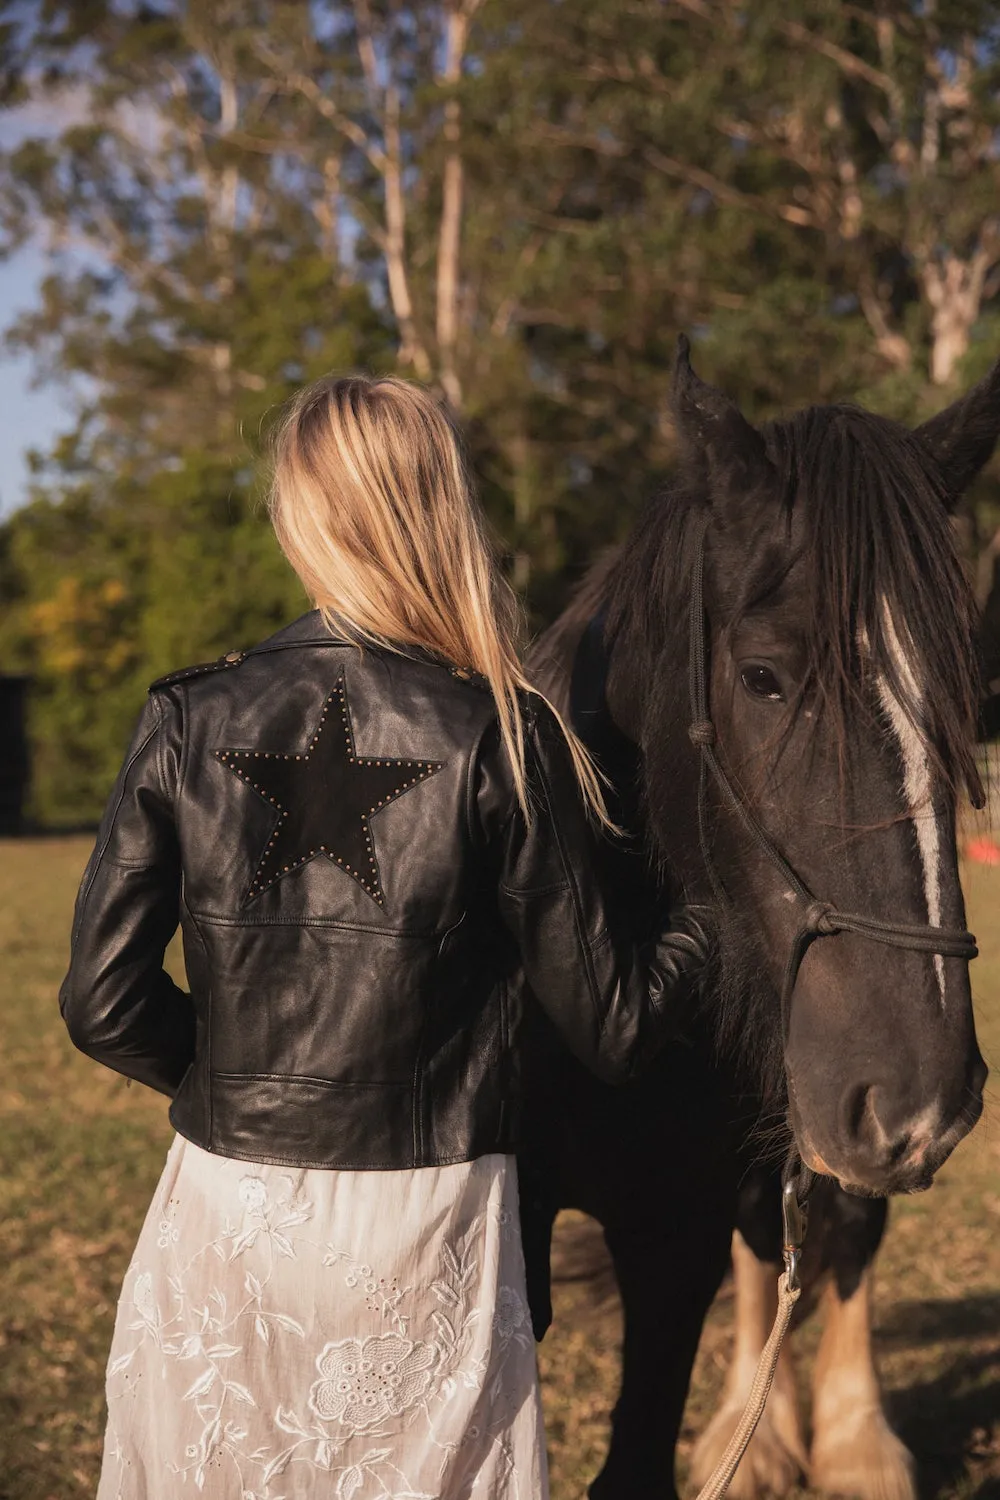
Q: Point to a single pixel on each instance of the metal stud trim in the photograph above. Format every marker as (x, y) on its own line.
(370, 880)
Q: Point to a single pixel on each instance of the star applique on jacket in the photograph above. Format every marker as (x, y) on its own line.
(325, 797)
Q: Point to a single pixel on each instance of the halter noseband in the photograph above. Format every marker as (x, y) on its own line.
(820, 918)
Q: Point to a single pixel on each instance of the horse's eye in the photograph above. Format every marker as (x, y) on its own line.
(762, 683)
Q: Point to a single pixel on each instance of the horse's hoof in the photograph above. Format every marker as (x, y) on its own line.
(863, 1459)
(774, 1461)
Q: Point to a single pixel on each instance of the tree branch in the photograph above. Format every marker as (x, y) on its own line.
(295, 80)
(724, 192)
(847, 62)
(892, 346)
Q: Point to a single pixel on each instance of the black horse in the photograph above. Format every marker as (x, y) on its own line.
(854, 1451)
(843, 695)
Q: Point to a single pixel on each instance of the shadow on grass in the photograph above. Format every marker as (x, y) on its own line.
(906, 1325)
(951, 1421)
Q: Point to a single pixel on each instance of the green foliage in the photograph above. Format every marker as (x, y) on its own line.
(112, 593)
(520, 201)
(144, 550)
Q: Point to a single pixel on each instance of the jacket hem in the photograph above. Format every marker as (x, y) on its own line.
(268, 1158)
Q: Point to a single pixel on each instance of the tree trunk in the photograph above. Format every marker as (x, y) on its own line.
(450, 230)
(411, 350)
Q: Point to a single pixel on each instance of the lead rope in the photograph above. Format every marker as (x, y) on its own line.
(819, 919)
(794, 1189)
(722, 1475)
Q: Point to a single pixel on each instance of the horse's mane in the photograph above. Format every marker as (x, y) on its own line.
(882, 563)
(551, 655)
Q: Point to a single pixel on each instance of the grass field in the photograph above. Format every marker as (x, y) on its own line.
(80, 1153)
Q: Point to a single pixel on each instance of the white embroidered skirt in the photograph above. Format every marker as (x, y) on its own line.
(289, 1333)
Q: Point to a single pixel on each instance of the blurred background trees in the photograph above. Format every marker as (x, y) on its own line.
(519, 201)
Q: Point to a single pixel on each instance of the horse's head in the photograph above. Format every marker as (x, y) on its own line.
(843, 693)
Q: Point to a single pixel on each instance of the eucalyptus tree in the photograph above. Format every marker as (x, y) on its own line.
(518, 201)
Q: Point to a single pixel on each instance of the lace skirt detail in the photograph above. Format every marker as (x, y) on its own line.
(289, 1333)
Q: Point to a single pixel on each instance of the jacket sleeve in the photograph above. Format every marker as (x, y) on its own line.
(614, 1001)
(118, 1003)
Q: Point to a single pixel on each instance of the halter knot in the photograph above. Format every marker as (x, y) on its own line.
(819, 919)
(701, 732)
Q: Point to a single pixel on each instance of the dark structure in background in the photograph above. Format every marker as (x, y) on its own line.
(14, 761)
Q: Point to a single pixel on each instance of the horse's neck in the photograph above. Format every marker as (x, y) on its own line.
(615, 751)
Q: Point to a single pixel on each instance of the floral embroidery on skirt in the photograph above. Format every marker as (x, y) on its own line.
(290, 1333)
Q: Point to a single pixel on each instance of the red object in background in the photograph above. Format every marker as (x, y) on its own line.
(983, 851)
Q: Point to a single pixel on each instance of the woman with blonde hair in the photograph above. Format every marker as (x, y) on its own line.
(374, 836)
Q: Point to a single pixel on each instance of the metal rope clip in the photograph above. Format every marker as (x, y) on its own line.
(794, 1219)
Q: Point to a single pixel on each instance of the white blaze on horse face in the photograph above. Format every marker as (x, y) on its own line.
(917, 788)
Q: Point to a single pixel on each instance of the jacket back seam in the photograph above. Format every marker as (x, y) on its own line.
(326, 1083)
(182, 699)
(211, 919)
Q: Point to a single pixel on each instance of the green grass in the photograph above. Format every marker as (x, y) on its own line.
(80, 1153)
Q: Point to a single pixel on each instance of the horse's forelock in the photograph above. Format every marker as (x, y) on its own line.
(881, 570)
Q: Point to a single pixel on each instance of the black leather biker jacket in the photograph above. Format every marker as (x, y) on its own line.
(361, 901)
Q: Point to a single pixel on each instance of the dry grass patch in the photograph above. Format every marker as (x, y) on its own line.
(80, 1154)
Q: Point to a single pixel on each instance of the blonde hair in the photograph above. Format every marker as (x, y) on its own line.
(373, 506)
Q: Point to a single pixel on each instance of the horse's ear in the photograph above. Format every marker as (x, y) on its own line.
(963, 436)
(714, 430)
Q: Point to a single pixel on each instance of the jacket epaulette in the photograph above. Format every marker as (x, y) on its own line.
(221, 664)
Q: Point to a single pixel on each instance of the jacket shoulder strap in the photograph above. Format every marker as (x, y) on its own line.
(222, 664)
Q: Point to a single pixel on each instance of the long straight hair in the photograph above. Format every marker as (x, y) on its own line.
(373, 505)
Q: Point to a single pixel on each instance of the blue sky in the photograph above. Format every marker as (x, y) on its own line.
(29, 418)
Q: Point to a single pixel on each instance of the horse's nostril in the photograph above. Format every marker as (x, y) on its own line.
(885, 1144)
(860, 1111)
(866, 1130)
(886, 1141)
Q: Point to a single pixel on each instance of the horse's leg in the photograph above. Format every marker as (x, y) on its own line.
(776, 1456)
(854, 1450)
(668, 1273)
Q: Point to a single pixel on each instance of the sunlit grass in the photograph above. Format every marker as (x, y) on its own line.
(80, 1153)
